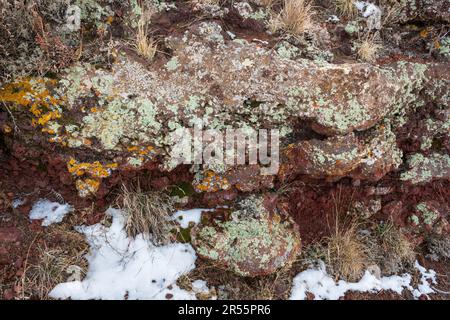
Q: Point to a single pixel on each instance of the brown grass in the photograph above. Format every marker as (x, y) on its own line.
(268, 3)
(55, 265)
(294, 18)
(145, 46)
(346, 255)
(147, 213)
(270, 287)
(367, 49)
(346, 8)
(394, 242)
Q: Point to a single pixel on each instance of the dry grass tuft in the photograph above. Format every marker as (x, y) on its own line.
(395, 242)
(367, 49)
(147, 213)
(347, 8)
(268, 3)
(295, 17)
(346, 255)
(146, 47)
(54, 266)
(231, 286)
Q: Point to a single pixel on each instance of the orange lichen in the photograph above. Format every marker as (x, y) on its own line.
(424, 33)
(212, 182)
(133, 148)
(49, 131)
(34, 94)
(87, 186)
(7, 129)
(16, 92)
(95, 169)
(141, 150)
(90, 175)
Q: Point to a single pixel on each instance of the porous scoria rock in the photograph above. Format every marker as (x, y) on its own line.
(249, 241)
(120, 118)
(369, 158)
(422, 169)
(423, 10)
(431, 216)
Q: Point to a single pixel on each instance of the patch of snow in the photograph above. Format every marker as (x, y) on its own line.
(125, 268)
(184, 217)
(200, 286)
(333, 18)
(51, 212)
(370, 11)
(231, 34)
(424, 286)
(319, 283)
(17, 203)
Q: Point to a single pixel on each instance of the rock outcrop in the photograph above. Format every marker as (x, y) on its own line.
(102, 120)
(251, 240)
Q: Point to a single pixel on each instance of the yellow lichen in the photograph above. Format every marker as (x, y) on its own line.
(212, 182)
(34, 94)
(90, 175)
(87, 186)
(95, 169)
(7, 129)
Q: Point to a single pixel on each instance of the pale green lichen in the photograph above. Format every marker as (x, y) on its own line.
(428, 214)
(261, 14)
(433, 128)
(444, 47)
(424, 169)
(250, 242)
(122, 119)
(415, 219)
(351, 27)
(172, 64)
(287, 51)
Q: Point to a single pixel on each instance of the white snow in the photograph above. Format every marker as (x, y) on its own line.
(370, 11)
(17, 203)
(51, 212)
(200, 286)
(186, 216)
(126, 268)
(333, 18)
(319, 283)
(367, 9)
(424, 286)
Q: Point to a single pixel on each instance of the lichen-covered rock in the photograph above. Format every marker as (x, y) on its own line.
(367, 158)
(123, 116)
(424, 169)
(250, 241)
(431, 216)
(243, 178)
(424, 10)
